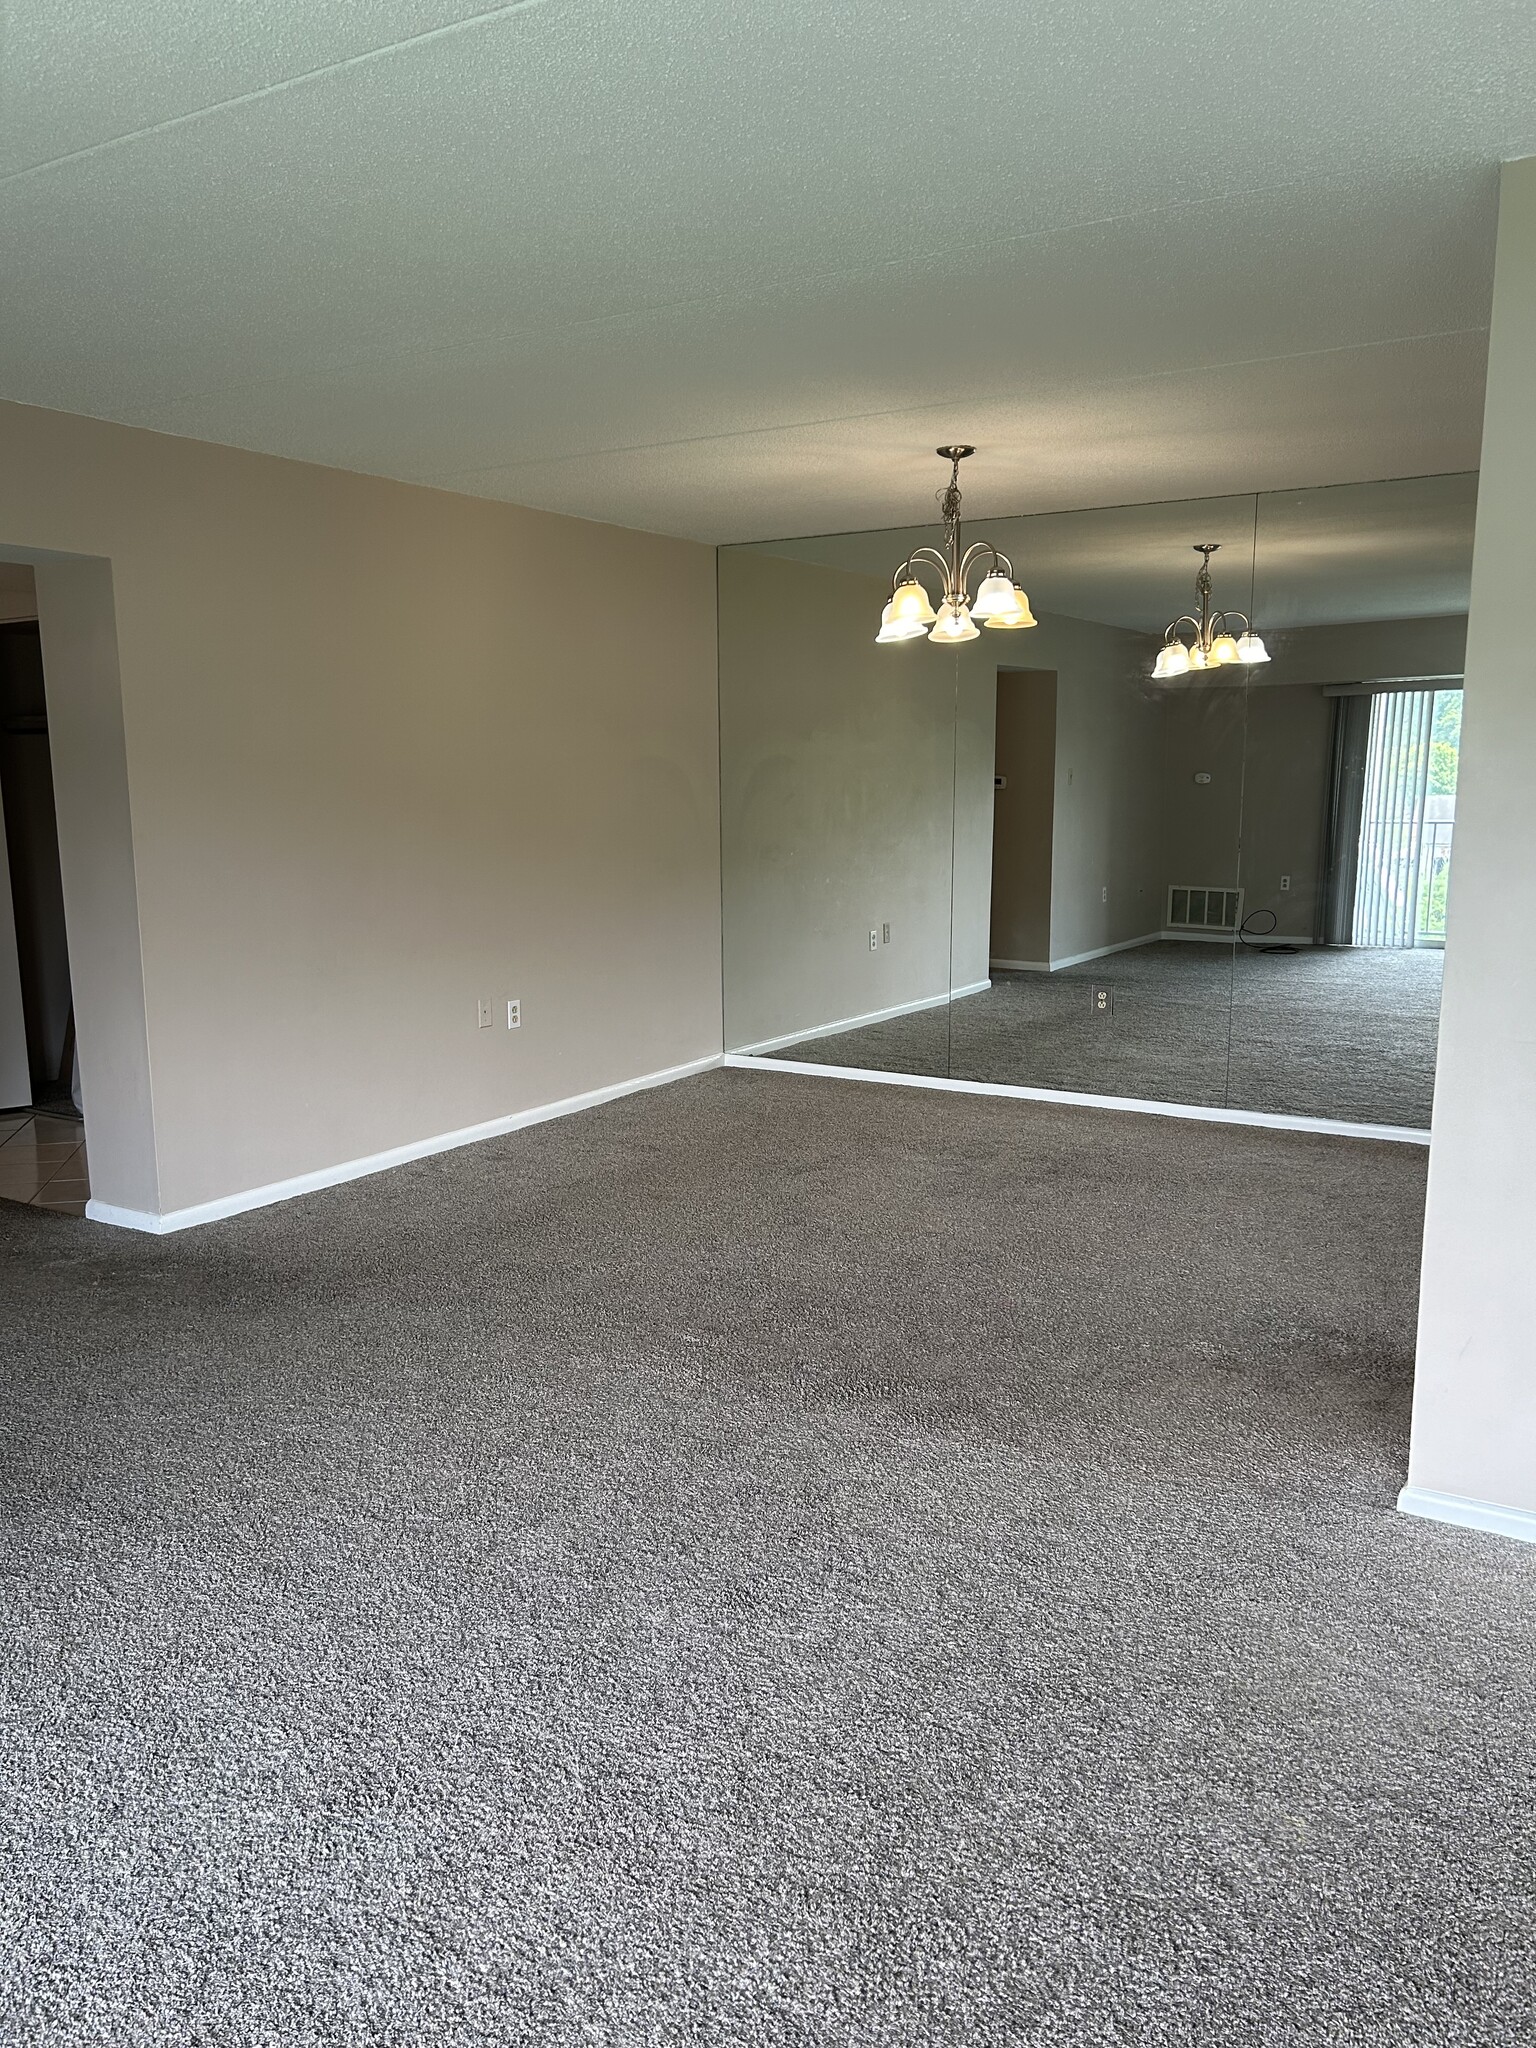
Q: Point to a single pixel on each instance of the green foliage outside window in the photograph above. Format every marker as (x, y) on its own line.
(1445, 743)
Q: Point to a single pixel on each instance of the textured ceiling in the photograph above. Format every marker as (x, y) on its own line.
(1395, 550)
(732, 269)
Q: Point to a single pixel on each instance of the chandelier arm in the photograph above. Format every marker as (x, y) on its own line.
(977, 547)
(1185, 620)
(930, 558)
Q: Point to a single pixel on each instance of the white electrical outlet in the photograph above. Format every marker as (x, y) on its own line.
(885, 935)
(874, 940)
(1285, 881)
(514, 1013)
(484, 1014)
(1104, 894)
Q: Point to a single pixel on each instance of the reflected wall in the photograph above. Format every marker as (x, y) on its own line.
(1032, 862)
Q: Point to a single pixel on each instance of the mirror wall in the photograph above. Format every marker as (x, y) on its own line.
(1032, 861)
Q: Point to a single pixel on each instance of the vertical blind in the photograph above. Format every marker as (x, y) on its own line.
(1392, 818)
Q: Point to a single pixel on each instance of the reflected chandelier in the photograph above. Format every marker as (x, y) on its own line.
(1214, 645)
(999, 603)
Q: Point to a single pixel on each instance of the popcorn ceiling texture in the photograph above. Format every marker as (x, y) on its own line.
(733, 271)
(769, 1561)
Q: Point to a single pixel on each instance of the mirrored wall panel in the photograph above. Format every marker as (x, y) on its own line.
(1186, 838)
(1353, 734)
(837, 767)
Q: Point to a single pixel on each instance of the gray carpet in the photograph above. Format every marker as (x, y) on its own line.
(769, 1561)
(1341, 1034)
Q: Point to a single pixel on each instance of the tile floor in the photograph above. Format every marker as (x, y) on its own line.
(42, 1161)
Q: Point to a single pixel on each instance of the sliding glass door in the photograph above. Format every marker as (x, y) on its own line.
(1407, 818)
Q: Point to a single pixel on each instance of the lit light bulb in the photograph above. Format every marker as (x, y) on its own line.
(892, 628)
(1224, 650)
(953, 625)
(910, 604)
(1251, 648)
(1017, 614)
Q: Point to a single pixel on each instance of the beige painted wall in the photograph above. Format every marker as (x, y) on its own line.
(1261, 814)
(18, 592)
(1366, 651)
(838, 765)
(1024, 814)
(1474, 1419)
(975, 768)
(388, 751)
(1201, 731)
(1287, 775)
(97, 859)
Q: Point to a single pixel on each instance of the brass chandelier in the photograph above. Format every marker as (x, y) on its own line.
(1214, 644)
(999, 603)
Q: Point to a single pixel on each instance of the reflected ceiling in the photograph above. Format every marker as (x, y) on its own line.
(1394, 550)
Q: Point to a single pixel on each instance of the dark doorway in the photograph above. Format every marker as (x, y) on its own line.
(1023, 818)
(36, 886)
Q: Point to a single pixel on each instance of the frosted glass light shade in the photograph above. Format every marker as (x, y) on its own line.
(1016, 615)
(953, 625)
(1224, 650)
(892, 628)
(1251, 648)
(911, 605)
(1173, 661)
(994, 599)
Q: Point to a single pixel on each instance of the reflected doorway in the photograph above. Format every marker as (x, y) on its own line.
(1023, 819)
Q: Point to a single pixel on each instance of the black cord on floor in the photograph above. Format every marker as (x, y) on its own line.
(1244, 939)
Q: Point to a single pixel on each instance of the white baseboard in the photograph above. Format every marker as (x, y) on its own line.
(381, 1162)
(1468, 1514)
(1102, 952)
(1198, 1112)
(1077, 959)
(1254, 943)
(767, 1045)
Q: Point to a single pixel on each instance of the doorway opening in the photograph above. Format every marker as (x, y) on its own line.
(42, 1132)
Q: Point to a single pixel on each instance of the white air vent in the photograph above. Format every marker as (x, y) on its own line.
(1204, 910)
